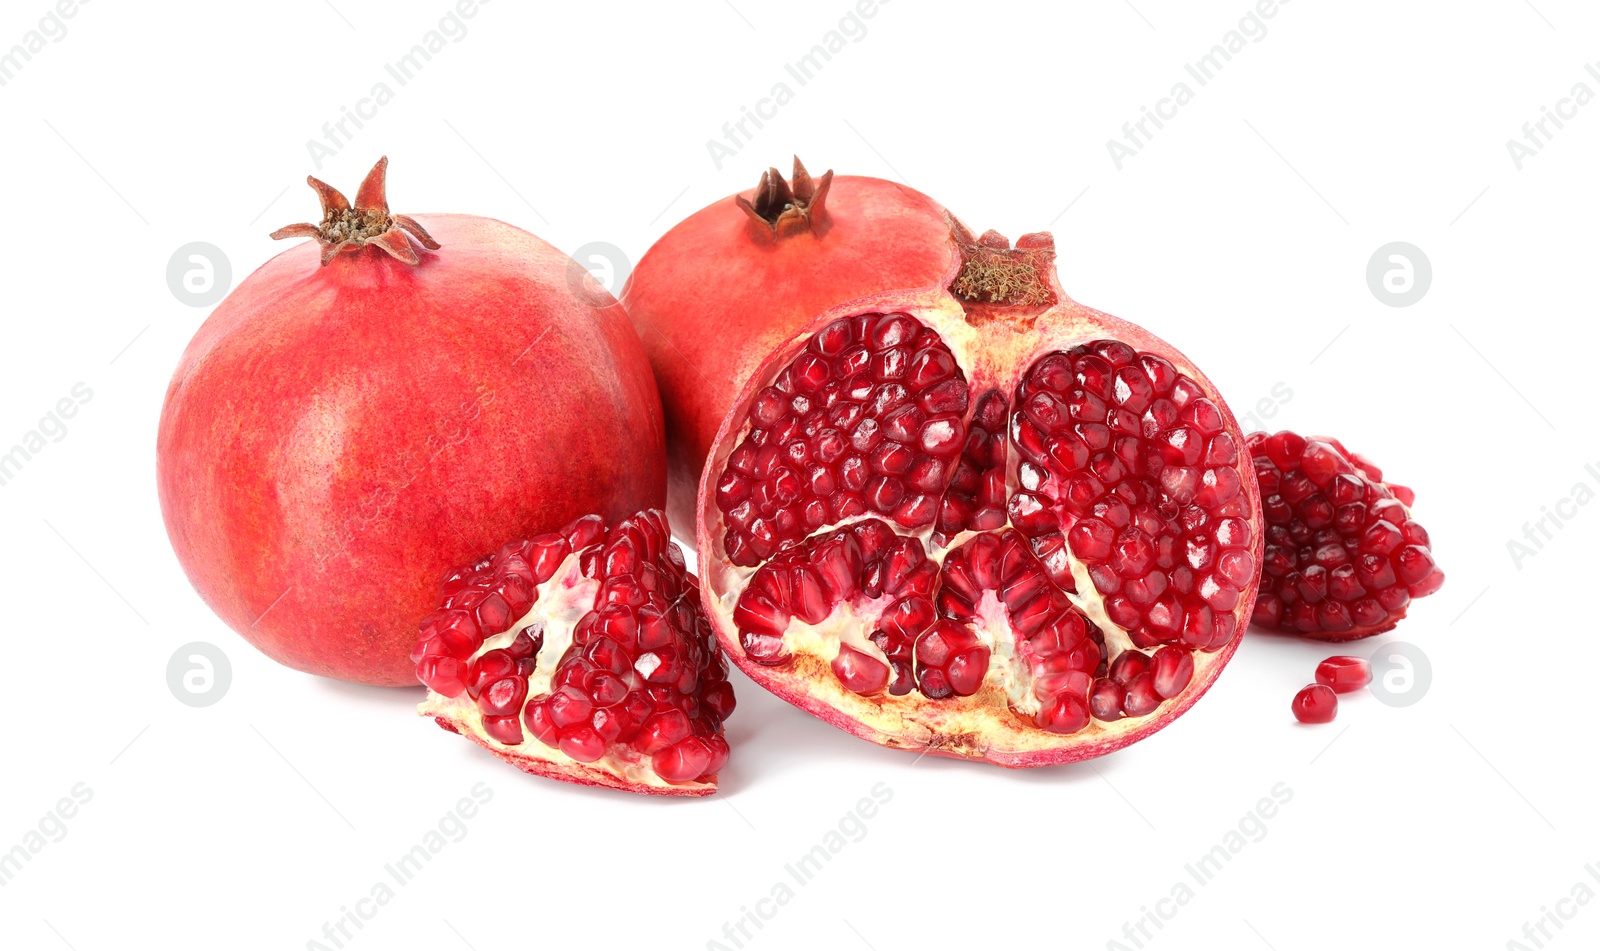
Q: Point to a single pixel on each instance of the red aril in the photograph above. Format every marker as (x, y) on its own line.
(735, 279)
(582, 655)
(1316, 703)
(981, 519)
(370, 408)
(1344, 673)
(1344, 558)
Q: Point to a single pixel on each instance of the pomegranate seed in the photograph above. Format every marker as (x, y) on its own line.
(1064, 713)
(1141, 697)
(684, 761)
(1105, 701)
(504, 729)
(860, 672)
(1344, 673)
(1171, 669)
(584, 745)
(1317, 703)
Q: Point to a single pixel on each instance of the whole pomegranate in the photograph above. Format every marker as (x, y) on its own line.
(363, 413)
(1344, 558)
(981, 520)
(729, 283)
(583, 655)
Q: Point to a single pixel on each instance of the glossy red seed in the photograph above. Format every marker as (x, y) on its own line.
(1316, 703)
(1063, 713)
(1344, 673)
(1141, 697)
(1171, 669)
(860, 672)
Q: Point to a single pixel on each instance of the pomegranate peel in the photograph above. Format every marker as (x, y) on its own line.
(980, 520)
(582, 655)
(1344, 556)
(367, 410)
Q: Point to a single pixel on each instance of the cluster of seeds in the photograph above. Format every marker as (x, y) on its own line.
(642, 675)
(866, 420)
(1344, 557)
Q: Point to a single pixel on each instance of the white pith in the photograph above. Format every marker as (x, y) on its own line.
(999, 717)
(560, 604)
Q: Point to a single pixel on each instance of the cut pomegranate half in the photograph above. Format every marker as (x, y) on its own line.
(1344, 557)
(583, 655)
(981, 520)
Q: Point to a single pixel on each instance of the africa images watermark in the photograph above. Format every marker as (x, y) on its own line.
(336, 134)
(1137, 134)
(1251, 828)
(1538, 933)
(52, 428)
(52, 28)
(1553, 518)
(1536, 133)
(851, 827)
(736, 134)
(50, 829)
(402, 871)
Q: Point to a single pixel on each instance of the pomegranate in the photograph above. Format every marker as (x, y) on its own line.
(1344, 673)
(1344, 557)
(582, 655)
(729, 283)
(1317, 703)
(981, 520)
(365, 411)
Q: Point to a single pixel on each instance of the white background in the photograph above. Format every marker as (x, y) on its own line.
(1241, 233)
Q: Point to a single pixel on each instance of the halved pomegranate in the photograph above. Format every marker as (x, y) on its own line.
(583, 655)
(981, 520)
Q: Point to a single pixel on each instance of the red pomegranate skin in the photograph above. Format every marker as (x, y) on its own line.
(336, 438)
(720, 291)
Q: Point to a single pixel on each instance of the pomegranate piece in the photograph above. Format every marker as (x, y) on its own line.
(1316, 703)
(981, 519)
(1344, 558)
(1344, 673)
(606, 675)
(735, 279)
(378, 405)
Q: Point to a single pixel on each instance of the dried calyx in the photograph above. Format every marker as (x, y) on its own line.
(994, 273)
(787, 207)
(369, 222)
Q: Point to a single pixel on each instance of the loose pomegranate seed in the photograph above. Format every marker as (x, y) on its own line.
(1344, 558)
(631, 671)
(1317, 703)
(1344, 673)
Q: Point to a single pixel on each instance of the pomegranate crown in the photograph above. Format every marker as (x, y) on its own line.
(995, 273)
(369, 222)
(783, 207)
